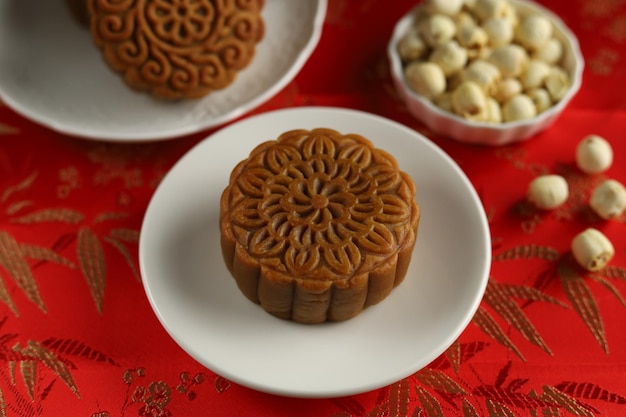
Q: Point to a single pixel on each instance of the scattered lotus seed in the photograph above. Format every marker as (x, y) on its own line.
(608, 199)
(594, 154)
(592, 249)
(548, 192)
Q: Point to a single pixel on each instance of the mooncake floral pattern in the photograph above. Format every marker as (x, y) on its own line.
(177, 48)
(314, 201)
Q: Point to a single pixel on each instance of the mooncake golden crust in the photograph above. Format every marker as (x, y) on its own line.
(317, 225)
(177, 48)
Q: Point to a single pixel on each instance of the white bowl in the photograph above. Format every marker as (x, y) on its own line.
(463, 130)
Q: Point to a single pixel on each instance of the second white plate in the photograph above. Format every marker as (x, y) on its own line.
(198, 303)
(52, 73)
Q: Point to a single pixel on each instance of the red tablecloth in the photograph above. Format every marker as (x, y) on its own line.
(78, 337)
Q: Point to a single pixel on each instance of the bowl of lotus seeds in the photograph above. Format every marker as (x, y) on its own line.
(489, 72)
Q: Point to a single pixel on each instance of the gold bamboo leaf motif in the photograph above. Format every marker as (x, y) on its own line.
(496, 409)
(438, 381)
(399, 398)
(377, 411)
(36, 350)
(546, 411)
(13, 261)
(125, 253)
(584, 304)
(13, 365)
(468, 409)
(28, 369)
(27, 182)
(5, 297)
(554, 396)
(6, 129)
(45, 254)
(529, 293)
(612, 271)
(15, 207)
(350, 405)
(126, 235)
(528, 251)
(453, 353)
(113, 215)
(3, 405)
(491, 328)
(429, 402)
(609, 286)
(92, 264)
(513, 314)
(51, 215)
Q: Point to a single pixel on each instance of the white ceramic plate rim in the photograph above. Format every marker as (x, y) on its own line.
(22, 105)
(248, 346)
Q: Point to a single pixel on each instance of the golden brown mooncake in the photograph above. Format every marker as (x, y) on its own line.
(177, 48)
(317, 225)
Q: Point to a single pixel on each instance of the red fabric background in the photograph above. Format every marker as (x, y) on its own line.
(120, 362)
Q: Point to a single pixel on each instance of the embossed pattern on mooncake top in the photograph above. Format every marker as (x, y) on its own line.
(177, 48)
(319, 207)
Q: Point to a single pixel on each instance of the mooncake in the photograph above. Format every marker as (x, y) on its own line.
(317, 225)
(175, 49)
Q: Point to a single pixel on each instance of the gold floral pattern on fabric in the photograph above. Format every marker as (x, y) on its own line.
(153, 398)
(70, 180)
(308, 204)
(616, 30)
(177, 48)
(604, 61)
(600, 8)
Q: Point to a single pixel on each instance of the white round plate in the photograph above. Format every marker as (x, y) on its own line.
(52, 73)
(198, 302)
